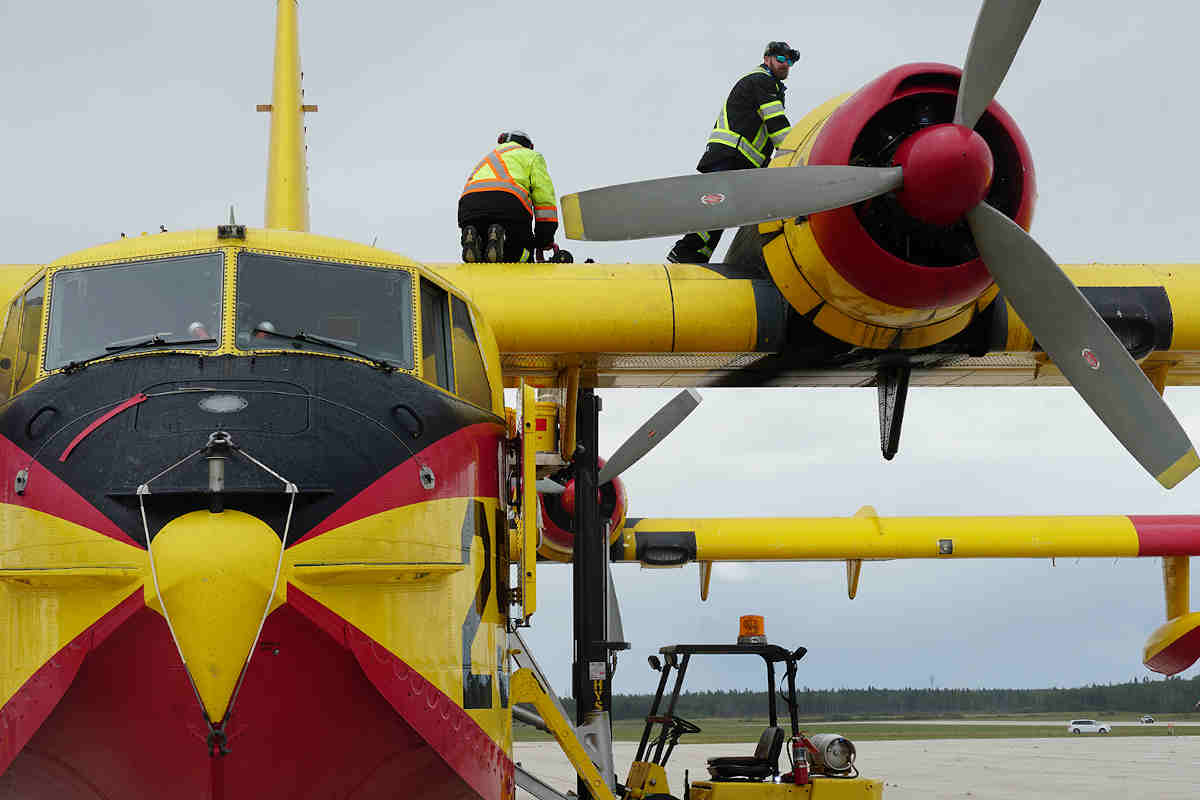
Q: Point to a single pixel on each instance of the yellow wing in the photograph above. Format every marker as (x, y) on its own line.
(666, 542)
(1170, 649)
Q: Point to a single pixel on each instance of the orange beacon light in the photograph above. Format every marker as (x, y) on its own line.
(751, 630)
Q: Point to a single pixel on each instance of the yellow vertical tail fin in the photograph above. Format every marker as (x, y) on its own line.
(287, 167)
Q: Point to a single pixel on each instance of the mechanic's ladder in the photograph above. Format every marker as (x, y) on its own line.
(529, 685)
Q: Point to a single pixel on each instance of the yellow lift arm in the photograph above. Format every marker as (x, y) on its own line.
(529, 685)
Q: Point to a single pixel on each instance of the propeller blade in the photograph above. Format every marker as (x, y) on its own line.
(1083, 347)
(547, 486)
(708, 201)
(998, 33)
(615, 631)
(665, 420)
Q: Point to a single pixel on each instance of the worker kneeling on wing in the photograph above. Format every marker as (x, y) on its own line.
(508, 190)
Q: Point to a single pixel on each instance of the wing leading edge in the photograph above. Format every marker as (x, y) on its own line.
(663, 542)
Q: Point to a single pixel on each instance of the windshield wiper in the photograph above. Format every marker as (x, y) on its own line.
(301, 336)
(157, 340)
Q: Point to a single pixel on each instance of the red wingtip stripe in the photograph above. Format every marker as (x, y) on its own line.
(1167, 535)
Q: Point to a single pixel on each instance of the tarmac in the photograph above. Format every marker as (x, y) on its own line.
(1067, 768)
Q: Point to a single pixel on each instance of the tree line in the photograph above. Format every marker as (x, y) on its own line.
(1144, 696)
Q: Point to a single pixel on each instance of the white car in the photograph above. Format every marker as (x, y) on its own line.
(1147, 720)
(1088, 726)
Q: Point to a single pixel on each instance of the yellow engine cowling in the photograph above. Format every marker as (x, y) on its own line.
(871, 274)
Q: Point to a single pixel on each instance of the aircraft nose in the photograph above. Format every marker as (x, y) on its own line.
(215, 575)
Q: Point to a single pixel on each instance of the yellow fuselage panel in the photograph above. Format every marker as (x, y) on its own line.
(56, 579)
(428, 613)
(13, 277)
(300, 245)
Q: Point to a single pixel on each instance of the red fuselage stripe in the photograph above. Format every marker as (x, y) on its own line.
(439, 720)
(464, 464)
(26, 710)
(49, 494)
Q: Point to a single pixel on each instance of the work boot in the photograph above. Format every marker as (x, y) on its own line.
(494, 252)
(680, 255)
(471, 250)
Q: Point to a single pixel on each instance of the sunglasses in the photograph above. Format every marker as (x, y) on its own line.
(785, 60)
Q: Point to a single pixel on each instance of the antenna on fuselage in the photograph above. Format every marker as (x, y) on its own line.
(287, 167)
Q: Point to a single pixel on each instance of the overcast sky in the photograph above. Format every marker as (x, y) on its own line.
(124, 116)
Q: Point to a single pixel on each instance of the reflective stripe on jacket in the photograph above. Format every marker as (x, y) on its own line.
(522, 173)
(753, 120)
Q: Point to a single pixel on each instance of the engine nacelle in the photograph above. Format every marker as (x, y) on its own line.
(558, 541)
(873, 274)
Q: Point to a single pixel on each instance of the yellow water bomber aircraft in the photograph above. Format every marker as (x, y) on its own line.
(267, 528)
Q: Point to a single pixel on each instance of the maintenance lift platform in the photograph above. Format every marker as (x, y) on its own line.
(822, 766)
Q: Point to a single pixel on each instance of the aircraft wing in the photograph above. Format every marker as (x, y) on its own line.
(664, 325)
(1171, 648)
(865, 536)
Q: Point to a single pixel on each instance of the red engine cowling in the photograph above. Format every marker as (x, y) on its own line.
(876, 272)
(558, 542)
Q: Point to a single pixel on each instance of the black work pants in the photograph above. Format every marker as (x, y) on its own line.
(484, 209)
(697, 248)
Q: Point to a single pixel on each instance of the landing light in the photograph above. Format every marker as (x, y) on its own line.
(223, 403)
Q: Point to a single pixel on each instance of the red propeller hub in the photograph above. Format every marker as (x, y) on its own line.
(947, 172)
(567, 498)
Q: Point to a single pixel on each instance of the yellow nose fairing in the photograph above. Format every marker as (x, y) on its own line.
(215, 575)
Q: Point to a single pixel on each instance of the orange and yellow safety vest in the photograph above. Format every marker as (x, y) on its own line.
(522, 173)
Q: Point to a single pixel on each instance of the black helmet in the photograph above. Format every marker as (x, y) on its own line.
(781, 49)
(520, 137)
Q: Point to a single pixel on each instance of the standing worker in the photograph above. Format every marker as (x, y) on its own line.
(751, 124)
(509, 199)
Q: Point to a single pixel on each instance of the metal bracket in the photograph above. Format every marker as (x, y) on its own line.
(596, 736)
(536, 786)
(892, 380)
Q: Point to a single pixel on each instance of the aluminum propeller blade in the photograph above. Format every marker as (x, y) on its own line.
(643, 440)
(547, 486)
(708, 201)
(998, 33)
(616, 630)
(1083, 347)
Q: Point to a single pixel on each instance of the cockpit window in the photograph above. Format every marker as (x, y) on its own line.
(145, 305)
(296, 304)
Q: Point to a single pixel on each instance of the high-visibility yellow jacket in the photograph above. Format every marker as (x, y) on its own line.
(521, 172)
(752, 121)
